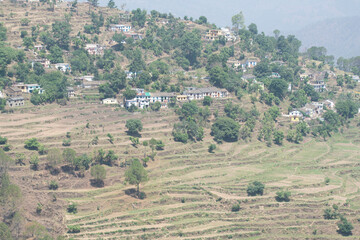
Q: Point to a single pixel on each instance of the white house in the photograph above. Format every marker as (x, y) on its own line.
(109, 101)
(119, 28)
(63, 67)
(94, 49)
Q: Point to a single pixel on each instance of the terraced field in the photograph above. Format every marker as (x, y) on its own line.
(190, 191)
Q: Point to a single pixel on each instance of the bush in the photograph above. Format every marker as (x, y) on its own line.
(98, 172)
(72, 208)
(34, 162)
(180, 137)
(235, 208)
(53, 185)
(7, 147)
(32, 144)
(345, 227)
(207, 101)
(212, 147)
(74, 229)
(155, 106)
(255, 188)
(142, 195)
(3, 140)
(283, 196)
(39, 208)
(66, 142)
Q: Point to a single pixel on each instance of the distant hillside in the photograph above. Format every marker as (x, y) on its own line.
(340, 36)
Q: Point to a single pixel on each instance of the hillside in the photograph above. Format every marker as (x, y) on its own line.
(169, 129)
(340, 36)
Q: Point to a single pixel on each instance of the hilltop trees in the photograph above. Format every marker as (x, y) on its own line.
(238, 21)
(136, 174)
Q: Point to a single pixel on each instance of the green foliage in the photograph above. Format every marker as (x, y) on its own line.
(2, 32)
(331, 213)
(111, 4)
(136, 174)
(129, 94)
(155, 106)
(5, 232)
(207, 101)
(190, 45)
(138, 17)
(255, 188)
(134, 141)
(134, 126)
(211, 148)
(32, 144)
(238, 21)
(3, 140)
(283, 196)
(235, 208)
(98, 172)
(346, 108)
(278, 87)
(111, 138)
(34, 162)
(72, 208)
(61, 33)
(225, 129)
(53, 185)
(345, 227)
(39, 208)
(278, 137)
(73, 229)
(54, 158)
(66, 142)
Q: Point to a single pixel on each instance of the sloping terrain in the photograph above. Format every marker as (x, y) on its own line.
(190, 191)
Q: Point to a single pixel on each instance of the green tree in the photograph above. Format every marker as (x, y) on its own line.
(2, 32)
(345, 227)
(253, 28)
(111, 4)
(225, 129)
(138, 17)
(32, 144)
(61, 32)
(136, 174)
(129, 94)
(283, 196)
(255, 188)
(202, 20)
(28, 42)
(207, 101)
(346, 108)
(56, 54)
(137, 64)
(190, 45)
(98, 172)
(54, 158)
(238, 21)
(278, 137)
(211, 148)
(155, 106)
(278, 87)
(134, 126)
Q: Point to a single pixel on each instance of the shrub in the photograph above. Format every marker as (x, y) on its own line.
(72, 208)
(34, 162)
(180, 136)
(66, 142)
(142, 195)
(74, 229)
(32, 144)
(283, 196)
(207, 101)
(255, 188)
(212, 147)
(345, 227)
(3, 140)
(7, 147)
(39, 208)
(53, 185)
(155, 106)
(235, 208)
(98, 172)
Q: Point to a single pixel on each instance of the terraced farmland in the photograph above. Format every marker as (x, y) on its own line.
(190, 191)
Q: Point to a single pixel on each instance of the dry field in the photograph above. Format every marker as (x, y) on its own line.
(190, 192)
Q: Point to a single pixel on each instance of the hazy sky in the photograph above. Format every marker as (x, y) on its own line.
(285, 15)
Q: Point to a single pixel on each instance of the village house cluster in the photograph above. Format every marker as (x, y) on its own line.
(144, 99)
(311, 110)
